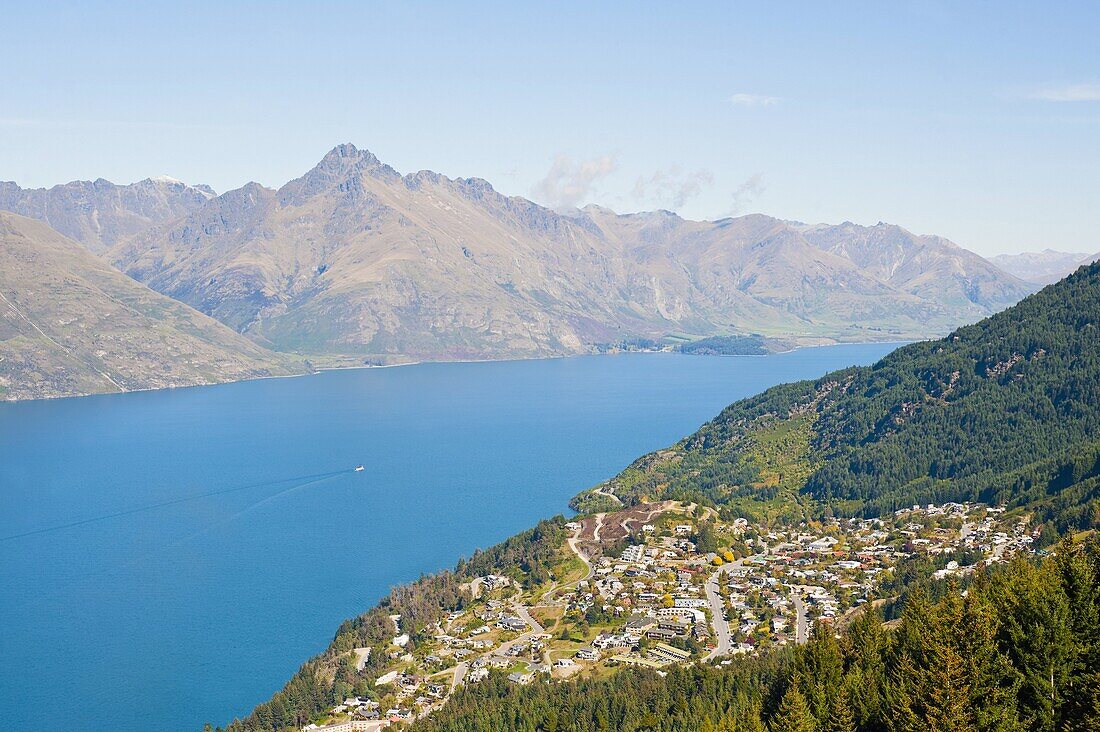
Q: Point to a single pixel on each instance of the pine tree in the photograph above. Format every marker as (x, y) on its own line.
(840, 717)
(865, 646)
(793, 714)
(748, 719)
(1035, 629)
(946, 691)
(821, 667)
(1079, 573)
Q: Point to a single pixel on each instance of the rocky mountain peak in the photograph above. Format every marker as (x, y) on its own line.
(342, 168)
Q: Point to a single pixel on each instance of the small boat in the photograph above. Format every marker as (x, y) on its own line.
(359, 468)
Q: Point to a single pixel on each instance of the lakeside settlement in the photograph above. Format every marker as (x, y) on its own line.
(668, 583)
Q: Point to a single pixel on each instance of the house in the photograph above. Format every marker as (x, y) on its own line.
(660, 634)
(588, 654)
(493, 581)
(640, 623)
(614, 640)
(632, 660)
(512, 623)
(521, 678)
(665, 652)
(824, 544)
(355, 725)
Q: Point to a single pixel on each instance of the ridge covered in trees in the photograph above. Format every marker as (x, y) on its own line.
(1006, 411)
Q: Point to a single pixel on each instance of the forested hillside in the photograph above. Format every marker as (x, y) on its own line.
(1003, 411)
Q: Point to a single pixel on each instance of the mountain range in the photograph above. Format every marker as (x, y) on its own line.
(100, 213)
(356, 263)
(70, 323)
(355, 258)
(1043, 267)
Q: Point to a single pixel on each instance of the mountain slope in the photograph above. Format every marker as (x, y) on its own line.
(72, 324)
(100, 213)
(1003, 411)
(1042, 267)
(354, 258)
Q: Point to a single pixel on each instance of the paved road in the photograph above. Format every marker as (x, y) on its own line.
(460, 674)
(612, 496)
(572, 544)
(521, 610)
(723, 636)
(801, 624)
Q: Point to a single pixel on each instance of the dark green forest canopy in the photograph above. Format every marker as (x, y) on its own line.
(1005, 411)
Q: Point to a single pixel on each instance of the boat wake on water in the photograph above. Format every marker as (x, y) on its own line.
(297, 483)
(252, 506)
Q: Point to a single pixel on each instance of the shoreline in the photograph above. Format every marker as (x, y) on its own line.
(320, 370)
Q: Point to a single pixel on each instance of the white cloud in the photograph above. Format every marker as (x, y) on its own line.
(754, 100)
(746, 193)
(672, 187)
(570, 182)
(1067, 93)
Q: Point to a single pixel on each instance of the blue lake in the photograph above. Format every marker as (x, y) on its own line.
(197, 610)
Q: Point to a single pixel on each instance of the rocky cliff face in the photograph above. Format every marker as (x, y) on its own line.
(355, 258)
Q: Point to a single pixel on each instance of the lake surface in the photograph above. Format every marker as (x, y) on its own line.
(197, 610)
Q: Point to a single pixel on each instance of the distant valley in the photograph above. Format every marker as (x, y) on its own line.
(354, 263)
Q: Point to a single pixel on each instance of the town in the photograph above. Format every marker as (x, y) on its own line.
(670, 583)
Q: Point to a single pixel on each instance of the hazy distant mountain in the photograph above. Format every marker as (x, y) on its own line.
(354, 258)
(70, 323)
(99, 213)
(929, 267)
(1042, 267)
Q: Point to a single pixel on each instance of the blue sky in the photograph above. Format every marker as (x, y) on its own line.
(977, 121)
